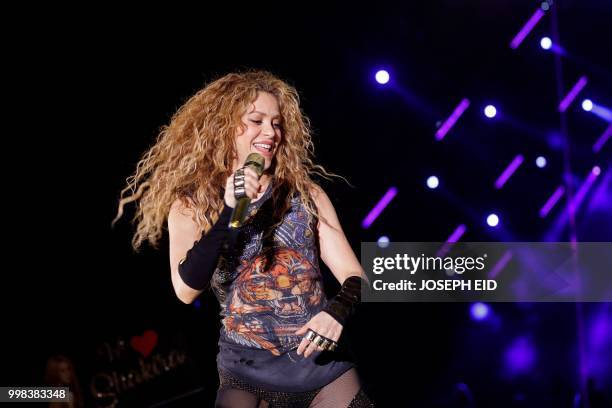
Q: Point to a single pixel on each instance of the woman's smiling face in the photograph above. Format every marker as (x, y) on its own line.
(261, 132)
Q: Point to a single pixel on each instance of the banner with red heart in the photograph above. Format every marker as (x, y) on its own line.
(144, 344)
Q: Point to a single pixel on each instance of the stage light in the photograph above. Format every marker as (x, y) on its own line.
(493, 220)
(520, 356)
(452, 119)
(500, 264)
(509, 171)
(479, 311)
(382, 77)
(433, 182)
(490, 111)
(550, 203)
(526, 29)
(584, 188)
(571, 95)
(383, 241)
(541, 162)
(546, 43)
(598, 110)
(602, 139)
(600, 332)
(379, 207)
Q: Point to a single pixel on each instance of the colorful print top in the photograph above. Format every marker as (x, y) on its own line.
(269, 287)
(273, 286)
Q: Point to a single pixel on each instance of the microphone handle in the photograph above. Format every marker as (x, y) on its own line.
(256, 162)
(239, 212)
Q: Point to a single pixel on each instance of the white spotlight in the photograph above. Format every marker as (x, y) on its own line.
(490, 111)
(541, 162)
(546, 43)
(493, 220)
(433, 182)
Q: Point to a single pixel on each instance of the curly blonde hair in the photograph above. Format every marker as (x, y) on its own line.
(193, 155)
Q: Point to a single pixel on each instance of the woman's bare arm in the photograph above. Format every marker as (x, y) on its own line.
(336, 251)
(183, 232)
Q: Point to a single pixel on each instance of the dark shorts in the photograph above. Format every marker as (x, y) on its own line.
(274, 398)
(288, 372)
(277, 399)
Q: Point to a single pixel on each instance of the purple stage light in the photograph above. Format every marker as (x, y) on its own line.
(550, 203)
(479, 311)
(541, 162)
(584, 188)
(490, 111)
(452, 119)
(520, 36)
(382, 77)
(571, 95)
(601, 198)
(433, 182)
(500, 264)
(601, 329)
(379, 207)
(587, 105)
(466, 393)
(493, 220)
(197, 303)
(573, 206)
(602, 112)
(509, 171)
(454, 237)
(520, 356)
(555, 141)
(602, 139)
(383, 242)
(599, 339)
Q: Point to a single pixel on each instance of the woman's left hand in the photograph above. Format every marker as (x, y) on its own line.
(325, 325)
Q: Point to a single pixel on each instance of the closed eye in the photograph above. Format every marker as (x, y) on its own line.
(259, 122)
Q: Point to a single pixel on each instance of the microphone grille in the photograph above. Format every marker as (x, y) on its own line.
(256, 161)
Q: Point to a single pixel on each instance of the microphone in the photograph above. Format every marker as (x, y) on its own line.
(256, 162)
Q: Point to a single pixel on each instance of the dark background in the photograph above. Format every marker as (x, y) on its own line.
(98, 85)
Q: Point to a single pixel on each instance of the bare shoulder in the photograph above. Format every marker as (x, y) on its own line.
(182, 207)
(325, 208)
(320, 197)
(181, 216)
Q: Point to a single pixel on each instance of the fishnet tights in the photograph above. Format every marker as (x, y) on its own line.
(344, 391)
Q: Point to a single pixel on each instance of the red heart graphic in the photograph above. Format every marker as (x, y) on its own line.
(144, 344)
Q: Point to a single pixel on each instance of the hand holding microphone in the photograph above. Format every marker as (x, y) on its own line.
(198, 266)
(243, 186)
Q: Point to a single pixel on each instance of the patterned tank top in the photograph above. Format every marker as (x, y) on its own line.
(268, 287)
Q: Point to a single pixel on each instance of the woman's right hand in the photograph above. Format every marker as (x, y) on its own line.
(251, 185)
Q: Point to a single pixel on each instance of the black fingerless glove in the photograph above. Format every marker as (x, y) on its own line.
(344, 304)
(200, 263)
